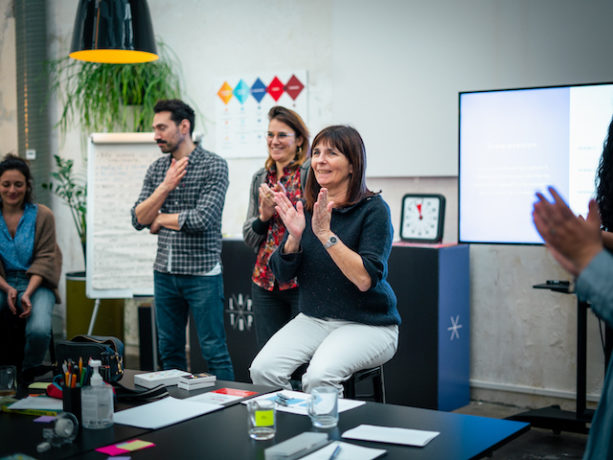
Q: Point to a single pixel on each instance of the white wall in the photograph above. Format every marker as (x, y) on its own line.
(522, 339)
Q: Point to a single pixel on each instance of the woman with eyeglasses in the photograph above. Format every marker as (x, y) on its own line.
(337, 244)
(285, 169)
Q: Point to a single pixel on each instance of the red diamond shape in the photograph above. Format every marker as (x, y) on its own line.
(294, 87)
(275, 89)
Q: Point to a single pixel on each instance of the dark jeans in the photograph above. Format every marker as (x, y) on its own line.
(38, 325)
(272, 311)
(175, 295)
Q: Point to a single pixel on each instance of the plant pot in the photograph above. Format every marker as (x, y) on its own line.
(79, 310)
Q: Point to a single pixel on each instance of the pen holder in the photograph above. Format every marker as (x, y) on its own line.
(71, 401)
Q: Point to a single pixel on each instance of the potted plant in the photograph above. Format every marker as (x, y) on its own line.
(73, 191)
(112, 97)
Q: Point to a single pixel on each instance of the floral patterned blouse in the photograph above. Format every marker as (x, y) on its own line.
(262, 274)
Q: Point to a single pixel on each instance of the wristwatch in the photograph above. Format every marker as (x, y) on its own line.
(331, 242)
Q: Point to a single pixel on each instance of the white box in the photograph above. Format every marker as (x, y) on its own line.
(194, 386)
(153, 379)
(192, 382)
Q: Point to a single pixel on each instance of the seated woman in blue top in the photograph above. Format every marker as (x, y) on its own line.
(30, 260)
(337, 245)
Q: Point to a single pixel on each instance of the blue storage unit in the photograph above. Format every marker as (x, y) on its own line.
(431, 367)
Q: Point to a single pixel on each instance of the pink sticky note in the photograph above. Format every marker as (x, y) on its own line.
(45, 419)
(111, 450)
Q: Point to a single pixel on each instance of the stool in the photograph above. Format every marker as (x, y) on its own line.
(350, 386)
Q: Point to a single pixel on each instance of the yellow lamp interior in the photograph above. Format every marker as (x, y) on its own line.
(112, 56)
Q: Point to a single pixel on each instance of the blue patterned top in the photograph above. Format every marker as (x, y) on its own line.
(17, 252)
(594, 285)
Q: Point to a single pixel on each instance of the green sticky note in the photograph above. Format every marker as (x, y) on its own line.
(134, 445)
(264, 418)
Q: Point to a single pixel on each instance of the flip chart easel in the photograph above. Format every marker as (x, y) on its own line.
(119, 258)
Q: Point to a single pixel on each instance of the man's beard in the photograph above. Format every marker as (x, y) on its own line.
(165, 148)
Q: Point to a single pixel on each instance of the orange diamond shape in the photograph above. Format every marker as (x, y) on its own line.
(225, 92)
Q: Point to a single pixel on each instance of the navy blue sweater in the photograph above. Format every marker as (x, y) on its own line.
(324, 290)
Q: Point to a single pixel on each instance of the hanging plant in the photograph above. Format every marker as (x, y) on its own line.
(100, 97)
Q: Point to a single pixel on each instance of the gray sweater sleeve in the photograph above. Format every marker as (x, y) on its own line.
(251, 238)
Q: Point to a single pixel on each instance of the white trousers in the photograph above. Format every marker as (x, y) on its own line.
(334, 349)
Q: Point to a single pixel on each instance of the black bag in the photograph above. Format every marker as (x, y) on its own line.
(109, 350)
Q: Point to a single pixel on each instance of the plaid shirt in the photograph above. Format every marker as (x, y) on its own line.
(199, 201)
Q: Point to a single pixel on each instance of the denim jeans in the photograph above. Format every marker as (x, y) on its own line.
(175, 296)
(38, 324)
(272, 311)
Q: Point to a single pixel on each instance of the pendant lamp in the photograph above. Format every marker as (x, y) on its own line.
(113, 31)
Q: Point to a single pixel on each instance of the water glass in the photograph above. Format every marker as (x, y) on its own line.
(323, 407)
(261, 416)
(8, 380)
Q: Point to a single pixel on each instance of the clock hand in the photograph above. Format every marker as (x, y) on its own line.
(419, 209)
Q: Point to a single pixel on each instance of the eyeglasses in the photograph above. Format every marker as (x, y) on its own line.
(281, 136)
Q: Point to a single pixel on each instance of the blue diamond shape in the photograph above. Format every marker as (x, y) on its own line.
(241, 91)
(258, 90)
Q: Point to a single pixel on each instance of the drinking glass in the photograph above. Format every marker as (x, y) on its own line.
(8, 380)
(323, 407)
(261, 415)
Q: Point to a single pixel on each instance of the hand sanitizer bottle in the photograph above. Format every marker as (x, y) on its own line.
(97, 401)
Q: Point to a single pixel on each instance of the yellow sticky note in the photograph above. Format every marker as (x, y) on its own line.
(38, 386)
(134, 445)
(264, 418)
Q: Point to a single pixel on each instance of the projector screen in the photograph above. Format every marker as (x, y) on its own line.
(515, 142)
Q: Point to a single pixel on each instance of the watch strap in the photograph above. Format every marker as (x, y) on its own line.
(331, 241)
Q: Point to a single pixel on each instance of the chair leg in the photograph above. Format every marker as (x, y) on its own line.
(52, 350)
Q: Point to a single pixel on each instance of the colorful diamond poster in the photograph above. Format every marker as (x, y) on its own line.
(242, 104)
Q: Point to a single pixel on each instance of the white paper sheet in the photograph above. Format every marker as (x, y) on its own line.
(391, 435)
(163, 412)
(297, 402)
(38, 402)
(213, 398)
(348, 452)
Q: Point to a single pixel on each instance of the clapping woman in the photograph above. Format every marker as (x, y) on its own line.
(30, 259)
(274, 302)
(337, 244)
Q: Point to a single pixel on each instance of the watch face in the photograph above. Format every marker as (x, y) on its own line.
(422, 218)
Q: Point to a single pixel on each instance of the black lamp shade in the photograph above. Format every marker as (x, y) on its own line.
(113, 31)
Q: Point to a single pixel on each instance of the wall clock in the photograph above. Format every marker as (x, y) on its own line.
(422, 218)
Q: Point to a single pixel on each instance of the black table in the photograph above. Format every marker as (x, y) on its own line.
(223, 434)
(19, 434)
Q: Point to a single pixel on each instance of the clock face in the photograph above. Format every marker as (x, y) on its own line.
(422, 218)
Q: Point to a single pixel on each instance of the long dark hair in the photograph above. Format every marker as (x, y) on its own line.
(604, 182)
(349, 142)
(11, 162)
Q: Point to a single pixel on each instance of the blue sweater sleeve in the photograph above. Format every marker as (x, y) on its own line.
(376, 242)
(285, 266)
(594, 285)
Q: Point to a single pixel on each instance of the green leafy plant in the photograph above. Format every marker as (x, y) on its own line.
(99, 97)
(73, 191)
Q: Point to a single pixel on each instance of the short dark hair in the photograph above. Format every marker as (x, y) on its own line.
(13, 162)
(295, 122)
(179, 111)
(349, 142)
